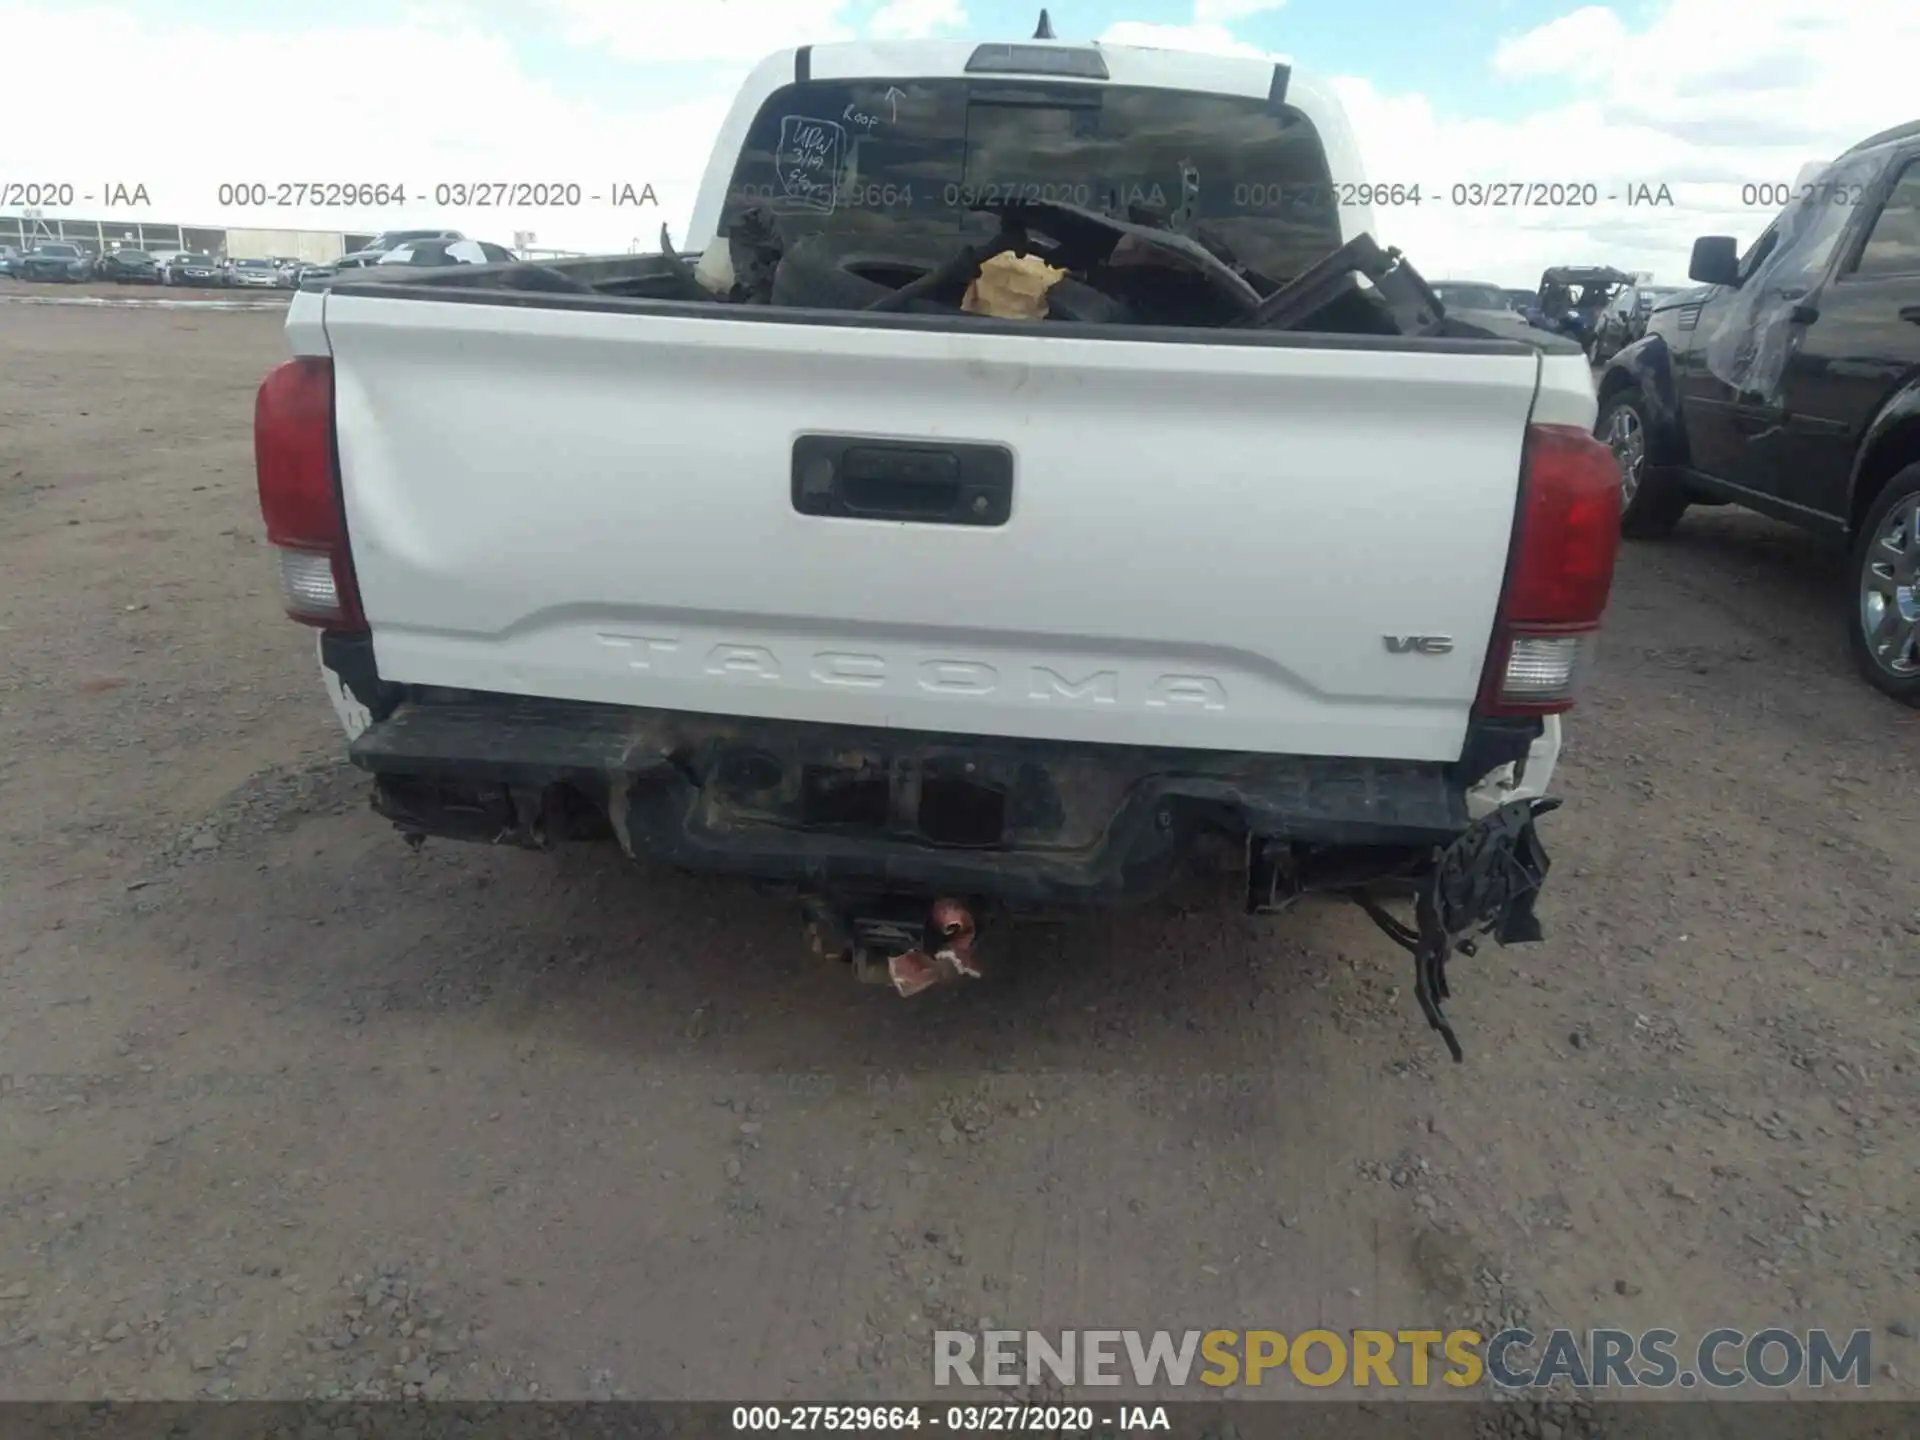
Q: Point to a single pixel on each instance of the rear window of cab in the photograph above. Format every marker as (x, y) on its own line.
(898, 163)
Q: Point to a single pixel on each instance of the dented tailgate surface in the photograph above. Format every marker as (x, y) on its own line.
(1283, 547)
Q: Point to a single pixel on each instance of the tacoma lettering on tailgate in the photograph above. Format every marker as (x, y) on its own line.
(1061, 684)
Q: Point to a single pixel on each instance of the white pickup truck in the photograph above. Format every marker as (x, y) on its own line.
(792, 556)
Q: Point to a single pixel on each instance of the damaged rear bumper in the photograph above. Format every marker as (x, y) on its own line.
(838, 808)
(860, 821)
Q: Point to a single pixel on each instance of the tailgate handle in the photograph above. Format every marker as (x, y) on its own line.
(857, 478)
(878, 481)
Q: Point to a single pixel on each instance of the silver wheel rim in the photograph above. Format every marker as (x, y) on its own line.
(1628, 441)
(1890, 591)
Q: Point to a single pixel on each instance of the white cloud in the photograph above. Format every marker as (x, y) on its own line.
(1209, 33)
(662, 33)
(1744, 79)
(1208, 38)
(916, 19)
(1707, 95)
(418, 101)
(1225, 12)
(1703, 95)
(1581, 42)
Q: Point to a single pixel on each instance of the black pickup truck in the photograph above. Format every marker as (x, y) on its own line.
(1789, 383)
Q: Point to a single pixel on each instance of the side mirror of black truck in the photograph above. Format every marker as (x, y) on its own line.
(1716, 260)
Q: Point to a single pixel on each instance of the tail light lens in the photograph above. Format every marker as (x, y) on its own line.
(300, 495)
(1559, 576)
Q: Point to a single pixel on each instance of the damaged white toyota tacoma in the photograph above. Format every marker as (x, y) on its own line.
(1028, 474)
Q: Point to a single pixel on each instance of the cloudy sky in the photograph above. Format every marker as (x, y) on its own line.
(1701, 95)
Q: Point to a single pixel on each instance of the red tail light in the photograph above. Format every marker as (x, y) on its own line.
(1559, 576)
(300, 496)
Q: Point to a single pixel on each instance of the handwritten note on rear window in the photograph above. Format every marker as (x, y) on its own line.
(808, 161)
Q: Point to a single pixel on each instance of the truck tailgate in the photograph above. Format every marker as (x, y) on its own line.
(1208, 544)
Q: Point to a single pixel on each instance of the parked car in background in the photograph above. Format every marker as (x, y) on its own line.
(128, 266)
(1572, 297)
(9, 256)
(1462, 295)
(1480, 303)
(103, 260)
(1790, 384)
(56, 260)
(1614, 324)
(387, 239)
(1625, 319)
(194, 268)
(255, 274)
(448, 252)
(315, 270)
(370, 253)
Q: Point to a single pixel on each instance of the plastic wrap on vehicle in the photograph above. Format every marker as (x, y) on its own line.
(1753, 333)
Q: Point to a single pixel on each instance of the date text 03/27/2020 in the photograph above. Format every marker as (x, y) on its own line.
(952, 1419)
(1461, 194)
(1245, 196)
(445, 194)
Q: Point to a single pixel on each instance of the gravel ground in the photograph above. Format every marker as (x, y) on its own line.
(291, 1110)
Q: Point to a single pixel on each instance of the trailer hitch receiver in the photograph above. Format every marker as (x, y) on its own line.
(896, 941)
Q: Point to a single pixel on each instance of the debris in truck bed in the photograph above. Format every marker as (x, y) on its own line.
(754, 246)
(683, 271)
(1047, 261)
(715, 271)
(1088, 240)
(1013, 287)
(1407, 298)
(961, 269)
(1068, 263)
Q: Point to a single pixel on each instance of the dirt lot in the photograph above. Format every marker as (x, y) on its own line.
(291, 1110)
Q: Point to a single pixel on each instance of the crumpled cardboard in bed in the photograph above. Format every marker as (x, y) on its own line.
(1012, 287)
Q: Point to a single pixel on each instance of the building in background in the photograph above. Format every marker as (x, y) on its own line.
(317, 247)
(30, 228)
